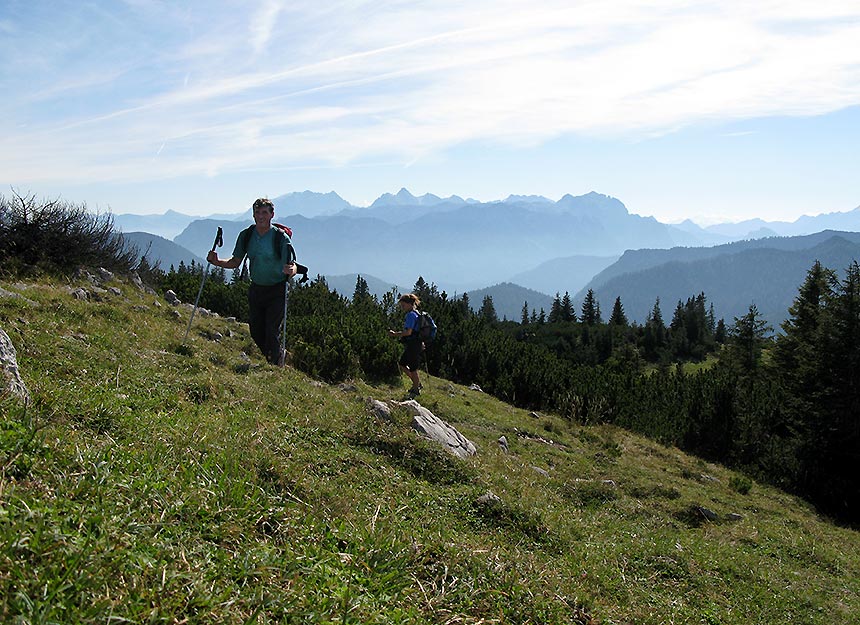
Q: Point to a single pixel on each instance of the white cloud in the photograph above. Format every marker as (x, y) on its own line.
(358, 80)
(263, 23)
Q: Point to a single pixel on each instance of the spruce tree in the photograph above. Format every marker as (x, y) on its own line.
(555, 310)
(567, 313)
(361, 292)
(618, 318)
(747, 338)
(590, 309)
(488, 310)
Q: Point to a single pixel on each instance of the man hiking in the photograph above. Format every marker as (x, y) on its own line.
(272, 262)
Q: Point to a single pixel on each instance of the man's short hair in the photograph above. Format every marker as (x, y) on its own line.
(264, 201)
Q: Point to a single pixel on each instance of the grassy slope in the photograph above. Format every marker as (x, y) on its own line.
(149, 485)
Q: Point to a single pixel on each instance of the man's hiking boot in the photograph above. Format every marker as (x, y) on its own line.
(414, 392)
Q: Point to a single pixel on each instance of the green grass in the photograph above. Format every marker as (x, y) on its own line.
(151, 482)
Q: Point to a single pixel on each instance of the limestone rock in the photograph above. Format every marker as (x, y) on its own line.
(427, 424)
(487, 499)
(379, 409)
(12, 294)
(709, 515)
(11, 381)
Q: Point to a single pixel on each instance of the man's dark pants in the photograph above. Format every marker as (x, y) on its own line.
(266, 312)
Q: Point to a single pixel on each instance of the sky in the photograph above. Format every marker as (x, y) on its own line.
(709, 110)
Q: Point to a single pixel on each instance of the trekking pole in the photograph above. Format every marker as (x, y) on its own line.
(282, 359)
(219, 241)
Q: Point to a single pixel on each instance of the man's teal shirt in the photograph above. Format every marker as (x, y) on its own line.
(265, 267)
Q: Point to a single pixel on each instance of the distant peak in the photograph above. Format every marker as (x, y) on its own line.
(528, 199)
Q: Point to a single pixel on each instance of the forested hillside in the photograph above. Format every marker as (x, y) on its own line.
(765, 272)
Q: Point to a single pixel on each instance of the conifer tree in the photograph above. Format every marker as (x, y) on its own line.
(618, 318)
(590, 309)
(555, 310)
(524, 316)
(361, 292)
(488, 310)
(567, 313)
(421, 289)
(837, 458)
(720, 332)
(817, 358)
(465, 306)
(654, 333)
(748, 336)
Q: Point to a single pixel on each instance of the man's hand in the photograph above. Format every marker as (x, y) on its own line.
(212, 257)
(290, 270)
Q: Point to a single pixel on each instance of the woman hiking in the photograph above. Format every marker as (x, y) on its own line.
(410, 360)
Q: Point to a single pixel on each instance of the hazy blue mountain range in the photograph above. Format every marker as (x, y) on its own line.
(637, 260)
(161, 250)
(166, 225)
(766, 273)
(559, 275)
(171, 223)
(531, 241)
(846, 221)
(404, 198)
(460, 247)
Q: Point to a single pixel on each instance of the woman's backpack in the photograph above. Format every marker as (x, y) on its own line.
(426, 327)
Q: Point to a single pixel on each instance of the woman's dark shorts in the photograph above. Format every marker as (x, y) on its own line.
(411, 358)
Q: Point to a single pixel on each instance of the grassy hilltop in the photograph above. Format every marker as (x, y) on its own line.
(151, 483)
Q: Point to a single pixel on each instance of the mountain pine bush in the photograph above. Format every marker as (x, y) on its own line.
(58, 237)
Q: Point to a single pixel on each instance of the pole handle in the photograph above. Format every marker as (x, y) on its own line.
(219, 239)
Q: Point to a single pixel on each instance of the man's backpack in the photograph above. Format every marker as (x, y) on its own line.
(276, 240)
(426, 328)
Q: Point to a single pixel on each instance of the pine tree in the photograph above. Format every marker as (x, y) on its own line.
(524, 316)
(818, 361)
(747, 338)
(720, 332)
(488, 310)
(361, 294)
(465, 304)
(654, 333)
(590, 309)
(618, 318)
(422, 289)
(567, 313)
(555, 310)
(840, 409)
